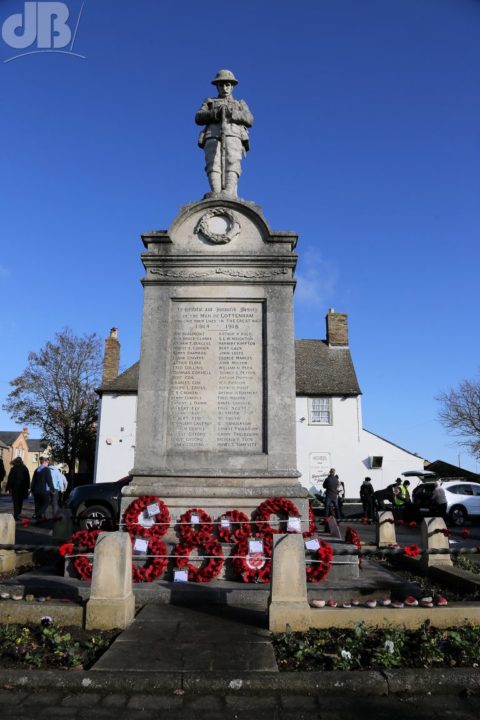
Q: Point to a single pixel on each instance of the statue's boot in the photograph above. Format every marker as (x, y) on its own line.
(231, 184)
(215, 180)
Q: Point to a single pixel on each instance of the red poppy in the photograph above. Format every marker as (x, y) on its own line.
(412, 524)
(465, 534)
(25, 522)
(411, 550)
(66, 549)
(400, 522)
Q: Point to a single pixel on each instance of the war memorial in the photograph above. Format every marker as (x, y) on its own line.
(216, 398)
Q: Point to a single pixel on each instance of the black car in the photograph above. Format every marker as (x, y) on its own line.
(97, 507)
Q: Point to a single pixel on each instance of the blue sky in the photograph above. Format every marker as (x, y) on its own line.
(366, 142)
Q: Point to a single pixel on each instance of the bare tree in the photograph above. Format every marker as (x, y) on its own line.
(56, 392)
(460, 414)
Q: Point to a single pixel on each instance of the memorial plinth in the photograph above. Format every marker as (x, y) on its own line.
(216, 395)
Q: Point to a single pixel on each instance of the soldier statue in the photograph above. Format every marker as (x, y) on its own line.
(225, 137)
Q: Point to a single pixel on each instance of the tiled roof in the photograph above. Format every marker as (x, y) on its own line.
(127, 382)
(9, 436)
(320, 370)
(324, 370)
(36, 445)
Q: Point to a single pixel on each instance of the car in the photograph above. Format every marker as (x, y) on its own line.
(463, 499)
(97, 506)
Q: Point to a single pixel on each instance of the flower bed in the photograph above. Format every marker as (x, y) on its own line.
(45, 646)
(367, 648)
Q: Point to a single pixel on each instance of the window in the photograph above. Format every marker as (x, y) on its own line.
(461, 489)
(320, 411)
(376, 462)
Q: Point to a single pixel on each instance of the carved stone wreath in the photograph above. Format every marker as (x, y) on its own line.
(232, 226)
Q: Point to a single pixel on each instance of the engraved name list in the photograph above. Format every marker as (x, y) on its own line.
(216, 377)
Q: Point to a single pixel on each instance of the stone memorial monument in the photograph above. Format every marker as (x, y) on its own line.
(216, 395)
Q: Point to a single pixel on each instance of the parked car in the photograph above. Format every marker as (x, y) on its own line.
(463, 499)
(97, 507)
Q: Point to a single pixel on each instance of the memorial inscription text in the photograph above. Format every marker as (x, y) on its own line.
(216, 377)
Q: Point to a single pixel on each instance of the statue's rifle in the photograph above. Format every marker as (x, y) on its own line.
(223, 149)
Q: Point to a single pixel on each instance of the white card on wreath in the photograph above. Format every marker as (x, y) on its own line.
(224, 522)
(194, 519)
(255, 546)
(294, 524)
(153, 509)
(312, 544)
(180, 576)
(140, 546)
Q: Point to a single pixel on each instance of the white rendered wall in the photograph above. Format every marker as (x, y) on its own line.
(116, 437)
(343, 445)
(348, 448)
(339, 443)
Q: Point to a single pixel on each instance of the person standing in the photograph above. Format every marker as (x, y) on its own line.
(331, 486)
(42, 487)
(60, 485)
(439, 498)
(366, 496)
(3, 472)
(18, 485)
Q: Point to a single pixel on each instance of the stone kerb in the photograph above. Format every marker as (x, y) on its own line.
(288, 604)
(385, 534)
(112, 602)
(433, 538)
(7, 537)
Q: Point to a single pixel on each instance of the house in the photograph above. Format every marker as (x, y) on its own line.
(16, 445)
(36, 449)
(328, 417)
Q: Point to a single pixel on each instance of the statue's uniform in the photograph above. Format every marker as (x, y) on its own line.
(236, 133)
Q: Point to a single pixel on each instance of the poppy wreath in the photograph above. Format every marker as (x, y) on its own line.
(197, 533)
(154, 566)
(81, 540)
(323, 556)
(277, 505)
(246, 568)
(137, 508)
(240, 529)
(211, 566)
(311, 523)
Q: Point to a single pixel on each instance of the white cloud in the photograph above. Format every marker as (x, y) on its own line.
(316, 280)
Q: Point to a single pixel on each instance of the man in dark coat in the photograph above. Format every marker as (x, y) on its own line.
(18, 485)
(366, 496)
(332, 486)
(42, 487)
(3, 472)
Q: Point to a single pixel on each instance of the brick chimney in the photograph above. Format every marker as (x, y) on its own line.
(337, 328)
(111, 358)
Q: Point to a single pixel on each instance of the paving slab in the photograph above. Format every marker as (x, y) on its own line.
(170, 638)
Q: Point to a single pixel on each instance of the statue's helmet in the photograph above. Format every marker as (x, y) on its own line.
(225, 76)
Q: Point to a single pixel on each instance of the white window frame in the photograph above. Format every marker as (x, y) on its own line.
(323, 414)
